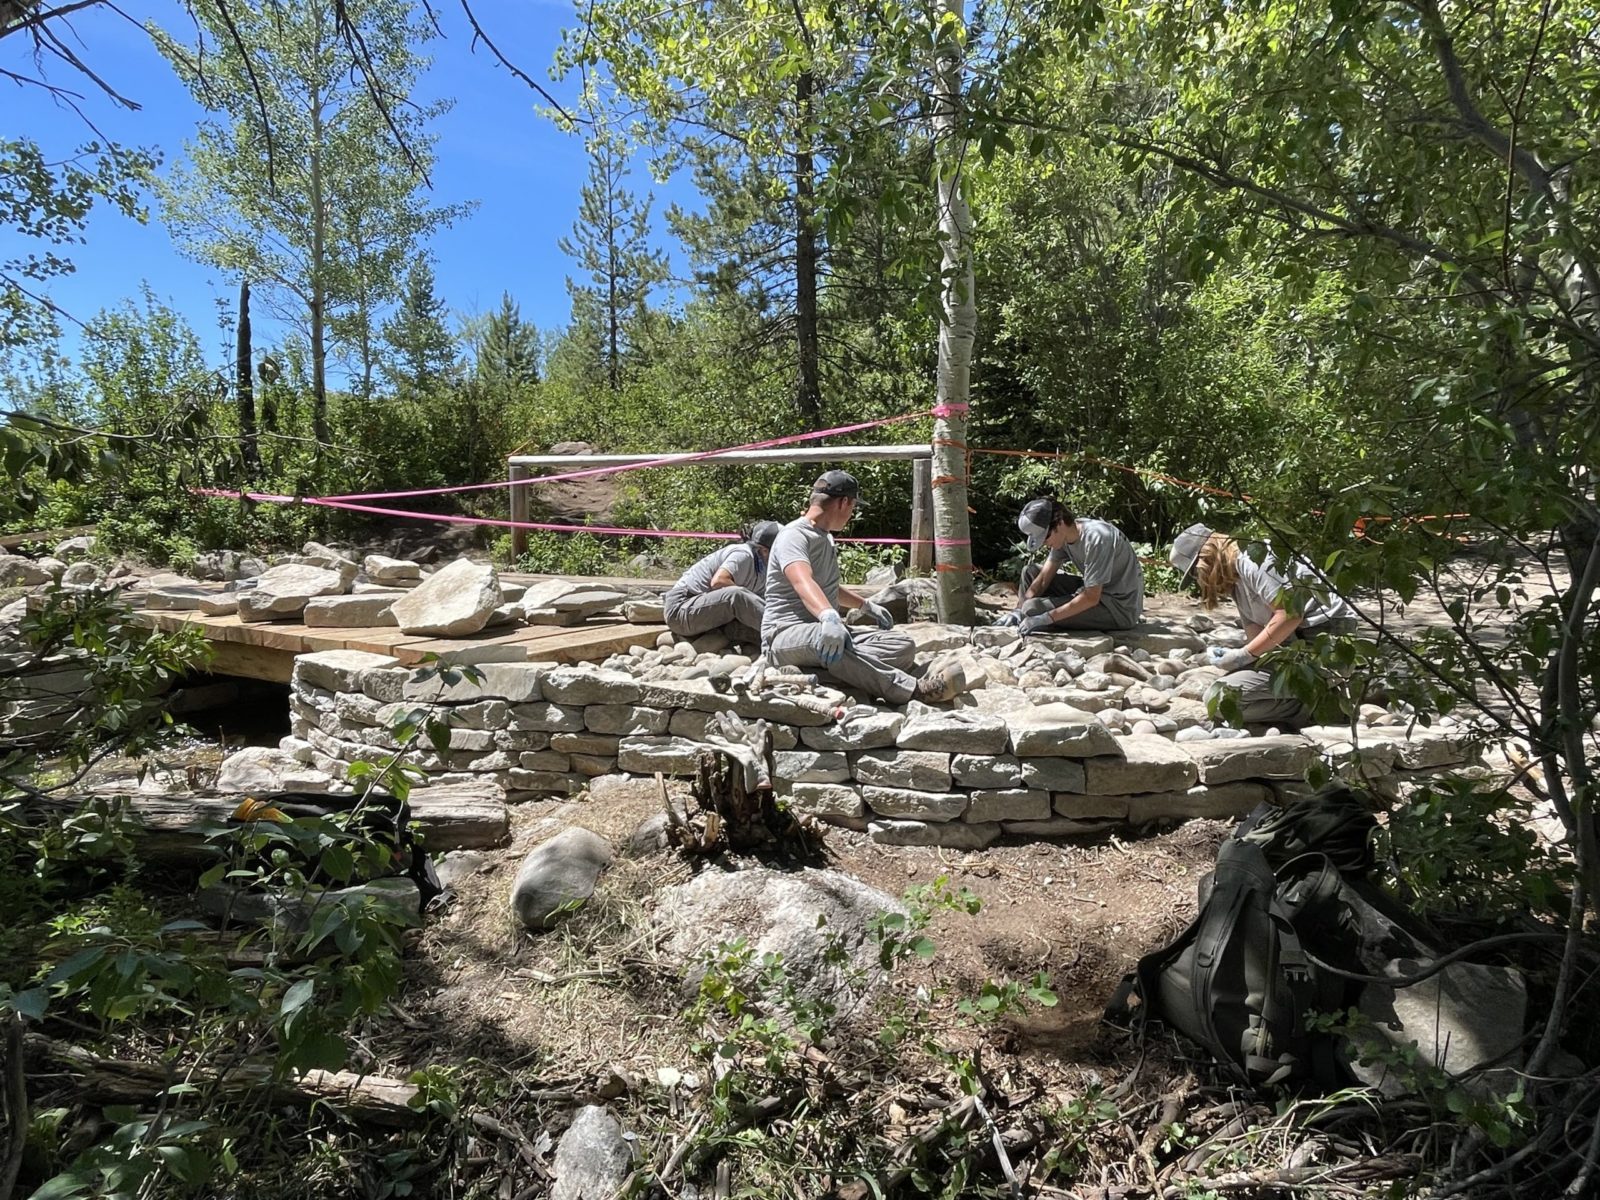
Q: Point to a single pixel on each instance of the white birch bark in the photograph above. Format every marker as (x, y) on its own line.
(957, 330)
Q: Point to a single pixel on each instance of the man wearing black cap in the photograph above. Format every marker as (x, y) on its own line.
(724, 589)
(1107, 592)
(802, 626)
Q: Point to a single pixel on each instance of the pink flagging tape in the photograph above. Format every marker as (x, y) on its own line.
(592, 472)
(544, 526)
(950, 410)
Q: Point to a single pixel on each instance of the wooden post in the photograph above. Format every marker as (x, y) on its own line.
(922, 517)
(519, 509)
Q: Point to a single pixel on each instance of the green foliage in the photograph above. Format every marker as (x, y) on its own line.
(610, 246)
(1497, 1111)
(90, 941)
(1465, 849)
(49, 202)
(124, 669)
(424, 357)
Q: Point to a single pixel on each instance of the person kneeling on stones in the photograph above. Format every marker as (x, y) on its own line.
(802, 626)
(725, 589)
(1107, 592)
(1257, 588)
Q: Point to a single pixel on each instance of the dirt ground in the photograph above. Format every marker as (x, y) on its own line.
(590, 1012)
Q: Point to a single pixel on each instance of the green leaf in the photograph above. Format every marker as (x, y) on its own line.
(297, 997)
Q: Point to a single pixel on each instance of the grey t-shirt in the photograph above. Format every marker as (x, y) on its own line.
(737, 559)
(1105, 558)
(1256, 593)
(798, 541)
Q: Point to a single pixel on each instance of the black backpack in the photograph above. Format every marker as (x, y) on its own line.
(1287, 915)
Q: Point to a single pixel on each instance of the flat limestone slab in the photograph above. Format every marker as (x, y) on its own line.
(1141, 763)
(350, 612)
(1058, 731)
(1283, 757)
(1210, 802)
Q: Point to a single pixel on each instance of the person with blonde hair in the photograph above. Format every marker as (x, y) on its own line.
(1224, 571)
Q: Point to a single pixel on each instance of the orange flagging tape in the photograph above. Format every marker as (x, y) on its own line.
(1116, 466)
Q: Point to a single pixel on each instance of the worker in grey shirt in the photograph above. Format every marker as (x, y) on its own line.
(724, 589)
(802, 626)
(1107, 592)
(1261, 593)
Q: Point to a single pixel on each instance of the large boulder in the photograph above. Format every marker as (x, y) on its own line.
(593, 1158)
(452, 602)
(282, 592)
(1464, 1018)
(558, 875)
(802, 916)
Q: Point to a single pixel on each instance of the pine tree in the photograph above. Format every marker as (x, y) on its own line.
(610, 244)
(424, 350)
(507, 349)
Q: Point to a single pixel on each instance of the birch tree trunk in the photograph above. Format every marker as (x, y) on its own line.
(958, 325)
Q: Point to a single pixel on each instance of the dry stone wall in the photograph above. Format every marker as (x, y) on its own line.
(1002, 760)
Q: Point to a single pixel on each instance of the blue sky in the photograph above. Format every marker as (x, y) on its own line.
(493, 147)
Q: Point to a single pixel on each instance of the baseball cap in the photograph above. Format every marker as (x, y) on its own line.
(1034, 521)
(1186, 548)
(763, 534)
(837, 483)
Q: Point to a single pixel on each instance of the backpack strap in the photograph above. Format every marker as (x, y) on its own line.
(1242, 877)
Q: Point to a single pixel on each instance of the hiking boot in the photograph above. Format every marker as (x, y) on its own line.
(942, 684)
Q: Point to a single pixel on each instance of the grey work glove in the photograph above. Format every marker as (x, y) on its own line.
(1037, 623)
(1014, 617)
(879, 614)
(1231, 660)
(835, 637)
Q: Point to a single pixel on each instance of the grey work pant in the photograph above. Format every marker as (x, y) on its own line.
(735, 610)
(1064, 587)
(874, 662)
(1257, 704)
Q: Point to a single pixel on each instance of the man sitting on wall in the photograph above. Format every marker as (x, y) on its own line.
(802, 625)
(725, 589)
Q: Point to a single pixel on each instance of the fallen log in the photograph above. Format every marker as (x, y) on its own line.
(178, 827)
(372, 1098)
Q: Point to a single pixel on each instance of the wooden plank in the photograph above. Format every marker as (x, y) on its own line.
(459, 816)
(251, 662)
(699, 458)
(585, 644)
(921, 518)
(377, 641)
(11, 541)
(519, 510)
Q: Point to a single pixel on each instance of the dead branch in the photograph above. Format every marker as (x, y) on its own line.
(372, 1098)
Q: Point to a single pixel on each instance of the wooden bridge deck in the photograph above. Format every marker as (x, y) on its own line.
(267, 649)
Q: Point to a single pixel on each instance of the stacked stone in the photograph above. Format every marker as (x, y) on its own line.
(957, 777)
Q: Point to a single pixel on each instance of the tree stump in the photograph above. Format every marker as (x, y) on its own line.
(733, 792)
